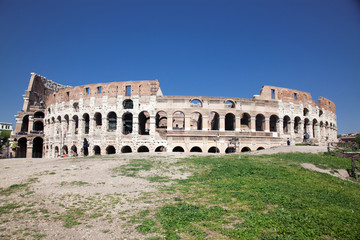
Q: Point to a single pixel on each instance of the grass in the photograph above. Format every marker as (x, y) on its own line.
(263, 197)
(134, 167)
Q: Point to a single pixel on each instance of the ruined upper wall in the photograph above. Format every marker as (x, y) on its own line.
(294, 96)
(113, 89)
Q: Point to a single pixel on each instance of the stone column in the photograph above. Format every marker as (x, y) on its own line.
(253, 124)
(279, 126)
(310, 130)
(187, 122)
(267, 125)
(205, 123)
(30, 124)
(152, 124)
(169, 123)
(237, 124)
(221, 123)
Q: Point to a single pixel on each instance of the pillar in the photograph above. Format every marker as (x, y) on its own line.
(221, 123)
(237, 124)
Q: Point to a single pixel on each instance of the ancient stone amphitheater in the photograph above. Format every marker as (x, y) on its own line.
(135, 116)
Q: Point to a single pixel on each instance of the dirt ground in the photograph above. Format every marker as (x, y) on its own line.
(90, 198)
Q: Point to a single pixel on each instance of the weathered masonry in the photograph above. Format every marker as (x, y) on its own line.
(134, 116)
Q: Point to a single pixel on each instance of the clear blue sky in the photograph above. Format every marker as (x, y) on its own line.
(197, 47)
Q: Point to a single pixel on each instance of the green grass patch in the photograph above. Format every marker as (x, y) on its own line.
(134, 167)
(8, 208)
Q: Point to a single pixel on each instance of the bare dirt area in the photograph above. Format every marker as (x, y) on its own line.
(83, 198)
(103, 197)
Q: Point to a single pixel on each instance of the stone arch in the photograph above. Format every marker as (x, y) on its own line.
(65, 150)
(67, 120)
(314, 127)
(38, 126)
(144, 123)
(230, 150)
(76, 124)
(25, 124)
(178, 149)
(195, 103)
(110, 149)
(213, 150)
(274, 120)
(260, 122)
(86, 119)
(143, 149)
(97, 150)
(245, 149)
(57, 152)
(320, 113)
(178, 120)
(286, 124)
(126, 149)
(229, 104)
(161, 119)
(160, 149)
(39, 114)
(230, 122)
(195, 149)
(214, 120)
(128, 104)
(246, 121)
(22, 148)
(196, 121)
(37, 149)
(306, 112)
(127, 120)
(306, 124)
(112, 121)
(74, 150)
(98, 119)
(297, 122)
(260, 148)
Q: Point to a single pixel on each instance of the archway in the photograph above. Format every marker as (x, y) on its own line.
(65, 150)
(229, 122)
(128, 104)
(112, 121)
(178, 149)
(178, 120)
(37, 150)
(297, 121)
(161, 119)
(22, 148)
(196, 121)
(143, 149)
(260, 122)
(38, 126)
(74, 150)
(98, 119)
(195, 149)
(110, 150)
(25, 124)
(245, 149)
(230, 150)
(273, 123)
(126, 149)
(260, 148)
(86, 120)
(39, 115)
(97, 150)
(160, 149)
(144, 123)
(214, 120)
(213, 150)
(127, 119)
(245, 121)
(286, 124)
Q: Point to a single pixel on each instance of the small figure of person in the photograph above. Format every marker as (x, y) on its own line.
(86, 147)
(288, 142)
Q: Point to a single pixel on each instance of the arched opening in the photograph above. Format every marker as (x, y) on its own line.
(286, 124)
(297, 121)
(214, 120)
(57, 153)
(128, 104)
(126, 149)
(274, 123)
(229, 104)
(161, 119)
(76, 124)
(306, 112)
(74, 150)
(195, 149)
(178, 149)
(196, 121)
(39, 115)
(127, 119)
(260, 122)
(314, 127)
(98, 119)
(213, 150)
(195, 103)
(160, 149)
(306, 125)
(260, 148)
(22, 148)
(245, 121)
(321, 113)
(97, 150)
(65, 150)
(25, 124)
(67, 120)
(144, 123)
(143, 149)
(86, 120)
(38, 126)
(245, 149)
(112, 121)
(229, 122)
(230, 150)
(37, 150)
(110, 150)
(178, 120)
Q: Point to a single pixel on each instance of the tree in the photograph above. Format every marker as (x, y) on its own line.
(4, 137)
(357, 140)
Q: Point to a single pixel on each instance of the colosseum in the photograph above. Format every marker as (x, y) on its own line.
(135, 116)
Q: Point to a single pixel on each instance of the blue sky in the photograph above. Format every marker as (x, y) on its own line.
(194, 48)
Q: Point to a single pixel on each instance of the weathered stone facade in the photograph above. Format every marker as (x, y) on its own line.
(135, 116)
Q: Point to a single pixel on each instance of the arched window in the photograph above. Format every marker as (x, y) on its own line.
(38, 126)
(97, 150)
(37, 150)
(245, 149)
(39, 115)
(161, 119)
(178, 149)
(86, 120)
(126, 149)
(76, 124)
(245, 121)
(25, 124)
(110, 150)
(160, 149)
(229, 104)
(260, 122)
(230, 150)
(214, 120)
(128, 104)
(178, 120)
(144, 123)
(306, 112)
(297, 122)
(230, 122)
(112, 121)
(286, 124)
(213, 150)
(314, 127)
(306, 124)
(127, 119)
(98, 119)
(143, 149)
(195, 149)
(195, 103)
(274, 123)
(67, 120)
(196, 121)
